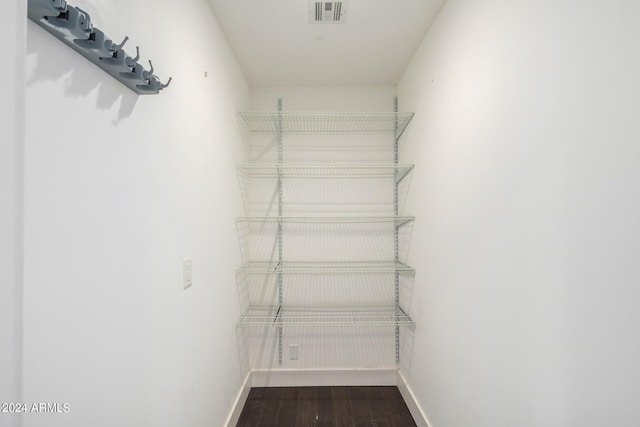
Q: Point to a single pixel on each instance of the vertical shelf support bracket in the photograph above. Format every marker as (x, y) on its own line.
(279, 137)
(396, 212)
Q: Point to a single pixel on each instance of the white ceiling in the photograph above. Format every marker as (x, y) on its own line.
(276, 45)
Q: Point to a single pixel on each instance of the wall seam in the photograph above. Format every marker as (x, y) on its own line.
(19, 191)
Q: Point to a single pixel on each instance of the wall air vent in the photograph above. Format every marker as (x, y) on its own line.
(327, 12)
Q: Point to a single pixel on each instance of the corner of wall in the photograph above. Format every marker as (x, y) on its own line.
(417, 412)
(11, 214)
(238, 403)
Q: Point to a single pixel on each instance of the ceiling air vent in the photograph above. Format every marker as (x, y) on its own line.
(327, 12)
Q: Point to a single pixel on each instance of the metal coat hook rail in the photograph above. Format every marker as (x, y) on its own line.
(73, 27)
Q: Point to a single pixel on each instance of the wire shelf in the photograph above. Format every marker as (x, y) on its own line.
(398, 221)
(321, 122)
(330, 170)
(382, 267)
(274, 316)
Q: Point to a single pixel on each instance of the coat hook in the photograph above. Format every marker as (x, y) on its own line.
(119, 57)
(154, 85)
(147, 74)
(113, 47)
(95, 41)
(74, 21)
(131, 62)
(46, 8)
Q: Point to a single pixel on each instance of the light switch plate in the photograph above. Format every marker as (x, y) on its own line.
(186, 273)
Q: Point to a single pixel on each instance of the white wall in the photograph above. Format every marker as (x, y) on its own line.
(324, 98)
(13, 33)
(526, 238)
(119, 188)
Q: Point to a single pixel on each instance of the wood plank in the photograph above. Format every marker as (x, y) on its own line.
(251, 414)
(325, 407)
(359, 405)
(307, 406)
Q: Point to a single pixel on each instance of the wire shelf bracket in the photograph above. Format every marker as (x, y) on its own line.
(325, 122)
(287, 317)
(337, 170)
(372, 267)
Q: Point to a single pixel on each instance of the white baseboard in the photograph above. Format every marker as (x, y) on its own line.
(241, 399)
(412, 403)
(346, 377)
(315, 377)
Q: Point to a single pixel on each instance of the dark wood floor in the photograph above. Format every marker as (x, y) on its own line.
(325, 407)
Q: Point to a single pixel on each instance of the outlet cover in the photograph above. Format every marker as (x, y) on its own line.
(186, 273)
(293, 352)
